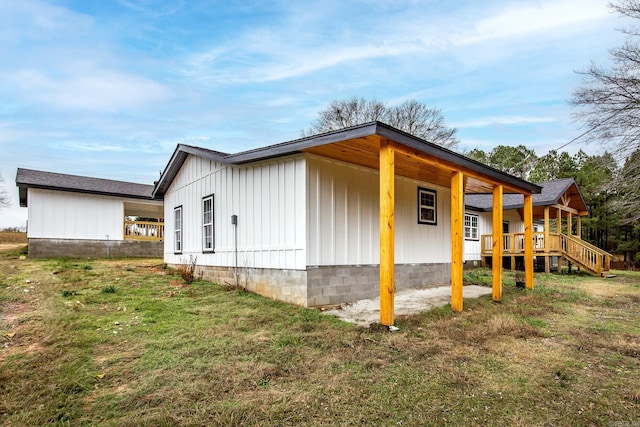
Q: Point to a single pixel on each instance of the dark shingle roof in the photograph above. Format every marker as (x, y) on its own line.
(28, 178)
(551, 192)
(337, 136)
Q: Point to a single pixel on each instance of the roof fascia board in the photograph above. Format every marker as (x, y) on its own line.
(297, 145)
(176, 161)
(452, 157)
(584, 203)
(82, 191)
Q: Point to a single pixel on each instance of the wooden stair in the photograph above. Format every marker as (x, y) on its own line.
(587, 256)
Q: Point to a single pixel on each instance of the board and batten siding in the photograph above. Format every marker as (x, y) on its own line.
(516, 223)
(473, 248)
(65, 215)
(343, 217)
(268, 198)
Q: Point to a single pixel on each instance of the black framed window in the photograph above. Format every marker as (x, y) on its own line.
(207, 224)
(427, 206)
(177, 227)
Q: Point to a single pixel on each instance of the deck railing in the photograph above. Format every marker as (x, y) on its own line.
(585, 253)
(143, 230)
(513, 243)
(571, 247)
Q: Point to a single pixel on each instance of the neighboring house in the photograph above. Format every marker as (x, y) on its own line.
(302, 219)
(560, 202)
(77, 216)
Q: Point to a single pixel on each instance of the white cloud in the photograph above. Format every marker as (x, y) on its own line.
(535, 18)
(94, 90)
(58, 59)
(37, 20)
(502, 120)
(287, 49)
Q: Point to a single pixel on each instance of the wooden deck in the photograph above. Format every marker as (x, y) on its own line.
(571, 248)
(143, 230)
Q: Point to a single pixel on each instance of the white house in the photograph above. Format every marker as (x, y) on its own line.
(326, 219)
(77, 216)
(307, 215)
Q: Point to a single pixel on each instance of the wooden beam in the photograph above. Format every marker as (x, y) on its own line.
(567, 209)
(528, 240)
(570, 224)
(387, 225)
(547, 243)
(559, 216)
(496, 270)
(425, 158)
(579, 226)
(457, 238)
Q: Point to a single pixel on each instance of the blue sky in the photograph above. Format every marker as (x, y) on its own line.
(108, 88)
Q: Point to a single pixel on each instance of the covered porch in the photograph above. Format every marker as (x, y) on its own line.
(143, 220)
(559, 210)
(394, 153)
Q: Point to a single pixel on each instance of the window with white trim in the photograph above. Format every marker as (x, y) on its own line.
(427, 205)
(177, 221)
(207, 224)
(470, 227)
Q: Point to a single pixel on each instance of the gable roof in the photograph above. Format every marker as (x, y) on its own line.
(29, 178)
(176, 161)
(551, 194)
(359, 145)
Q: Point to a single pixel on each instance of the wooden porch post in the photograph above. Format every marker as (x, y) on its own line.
(387, 222)
(528, 240)
(496, 270)
(457, 238)
(569, 224)
(547, 246)
(579, 225)
(559, 216)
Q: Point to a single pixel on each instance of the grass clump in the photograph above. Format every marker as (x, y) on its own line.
(110, 289)
(66, 293)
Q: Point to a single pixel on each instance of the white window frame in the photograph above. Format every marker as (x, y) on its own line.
(208, 239)
(178, 243)
(471, 231)
(422, 207)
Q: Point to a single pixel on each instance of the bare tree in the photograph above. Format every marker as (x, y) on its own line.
(422, 121)
(411, 116)
(608, 102)
(4, 196)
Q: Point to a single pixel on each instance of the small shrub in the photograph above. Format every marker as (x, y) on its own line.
(187, 270)
(66, 293)
(111, 289)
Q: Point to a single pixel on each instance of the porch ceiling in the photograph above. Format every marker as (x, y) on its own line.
(365, 151)
(144, 210)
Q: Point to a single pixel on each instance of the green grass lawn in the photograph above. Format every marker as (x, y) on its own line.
(117, 342)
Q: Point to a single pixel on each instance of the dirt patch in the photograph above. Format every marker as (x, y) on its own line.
(11, 237)
(10, 246)
(408, 301)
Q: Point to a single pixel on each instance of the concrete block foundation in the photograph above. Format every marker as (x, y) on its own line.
(80, 248)
(326, 285)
